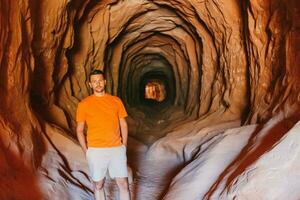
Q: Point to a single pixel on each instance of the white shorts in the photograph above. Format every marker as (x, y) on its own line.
(112, 159)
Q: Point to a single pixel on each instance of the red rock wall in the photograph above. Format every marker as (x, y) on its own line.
(229, 60)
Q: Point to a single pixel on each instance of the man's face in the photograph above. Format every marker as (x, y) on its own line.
(97, 83)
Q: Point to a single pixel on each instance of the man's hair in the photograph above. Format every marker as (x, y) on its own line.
(95, 72)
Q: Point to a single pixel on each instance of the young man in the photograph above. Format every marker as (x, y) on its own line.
(107, 132)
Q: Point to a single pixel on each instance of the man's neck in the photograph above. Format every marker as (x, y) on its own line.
(99, 94)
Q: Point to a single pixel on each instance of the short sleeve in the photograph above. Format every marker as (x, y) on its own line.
(80, 114)
(121, 109)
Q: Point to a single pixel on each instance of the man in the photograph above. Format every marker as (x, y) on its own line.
(107, 132)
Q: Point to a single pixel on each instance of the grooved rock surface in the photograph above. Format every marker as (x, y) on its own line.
(230, 71)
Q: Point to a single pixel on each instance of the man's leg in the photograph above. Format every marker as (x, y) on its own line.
(123, 188)
(99, 190)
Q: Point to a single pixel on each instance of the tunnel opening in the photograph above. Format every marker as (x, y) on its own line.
(154, 89)
(156, 92)
(146, 70)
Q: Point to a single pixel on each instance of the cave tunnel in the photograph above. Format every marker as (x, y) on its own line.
(211, 89)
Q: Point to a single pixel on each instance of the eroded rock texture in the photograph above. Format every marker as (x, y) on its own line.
(222, 64)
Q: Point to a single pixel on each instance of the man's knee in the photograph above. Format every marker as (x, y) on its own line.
(99, 185)
(122, 183)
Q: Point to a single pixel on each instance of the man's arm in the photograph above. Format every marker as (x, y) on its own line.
(81, 136)
(124, 130)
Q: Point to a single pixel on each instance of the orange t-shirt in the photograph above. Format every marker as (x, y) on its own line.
(101, 114)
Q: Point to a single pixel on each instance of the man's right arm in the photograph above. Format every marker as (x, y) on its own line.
(81, 136)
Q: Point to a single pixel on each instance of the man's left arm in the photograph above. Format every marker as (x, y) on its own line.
(124, 130)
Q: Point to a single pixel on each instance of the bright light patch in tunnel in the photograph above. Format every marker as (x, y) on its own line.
(155, 90)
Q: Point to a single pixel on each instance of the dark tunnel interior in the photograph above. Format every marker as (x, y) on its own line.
(211, 88)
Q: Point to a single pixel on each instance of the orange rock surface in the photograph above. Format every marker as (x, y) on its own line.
(221, 62)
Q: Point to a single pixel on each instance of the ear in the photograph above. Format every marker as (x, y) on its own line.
(90, 84)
